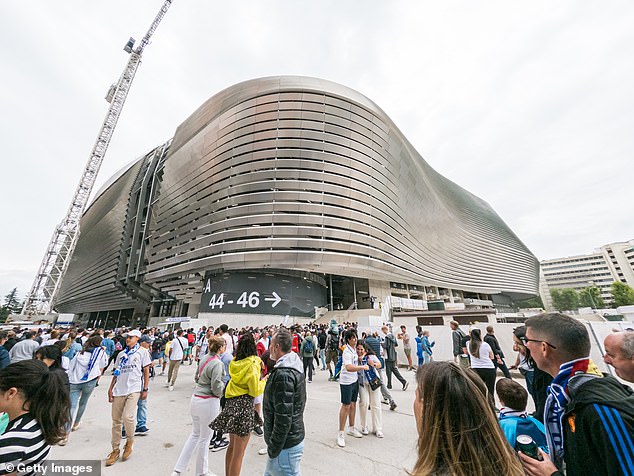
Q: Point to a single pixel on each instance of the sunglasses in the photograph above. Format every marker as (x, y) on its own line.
(525, 340)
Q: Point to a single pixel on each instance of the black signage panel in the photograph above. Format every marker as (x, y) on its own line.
(259, 293)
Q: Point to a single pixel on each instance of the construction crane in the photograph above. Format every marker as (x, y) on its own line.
(60, 249)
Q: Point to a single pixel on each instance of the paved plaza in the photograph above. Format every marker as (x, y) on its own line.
(170, 424)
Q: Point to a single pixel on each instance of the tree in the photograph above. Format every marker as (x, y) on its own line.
(622, 294)
(531, 303)
(591, 297)
(565, 299)
(11, 305)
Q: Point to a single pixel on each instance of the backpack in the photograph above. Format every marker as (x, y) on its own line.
(309, 347)
(333, 343)
(157, 344)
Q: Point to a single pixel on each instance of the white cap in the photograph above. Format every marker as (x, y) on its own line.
(134, 333)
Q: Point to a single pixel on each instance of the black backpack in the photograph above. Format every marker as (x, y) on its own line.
(333, 344)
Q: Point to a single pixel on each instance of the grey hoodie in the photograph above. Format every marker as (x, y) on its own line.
(291, 361)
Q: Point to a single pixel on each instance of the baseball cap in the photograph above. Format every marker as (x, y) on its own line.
(134, 333)
(145, 338)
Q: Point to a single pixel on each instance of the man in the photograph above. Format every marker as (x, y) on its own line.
(619, 353)
(457, 338)
(11, 341)
(498, 355)
(284, 402)
(202, 345)
(332, 350)
(407, 346)
(389, 344)
(589, 416)
(321, 339)
(176, 355)
(224, 333)
(141, 411)
(130, 382)
(24, 349)
(349, 387)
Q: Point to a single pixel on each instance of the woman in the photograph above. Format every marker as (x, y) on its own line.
(204, 407)
(426, 347)
(83, 374)
(239, 417)
(37, 403)
(367, 394)
(307, 351)
(481, 356)
(52, 356)
(458, 433)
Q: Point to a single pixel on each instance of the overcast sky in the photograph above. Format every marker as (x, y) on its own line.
(528, 105)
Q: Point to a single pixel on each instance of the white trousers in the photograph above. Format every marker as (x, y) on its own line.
(373, 397)
(203, 411)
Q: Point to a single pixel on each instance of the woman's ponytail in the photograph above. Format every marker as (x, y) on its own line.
(46, 395)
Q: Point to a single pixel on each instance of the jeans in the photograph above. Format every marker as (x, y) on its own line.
(308, 367)
(141, 413)
(502, 367)
(79, 395)
(203, 411)
(286, 463)
(322, 357)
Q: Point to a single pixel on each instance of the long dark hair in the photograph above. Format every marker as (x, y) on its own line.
(45, 393)
(246, 346)
(456, 418)
(50, 352)
(92, 343)
(474, 342)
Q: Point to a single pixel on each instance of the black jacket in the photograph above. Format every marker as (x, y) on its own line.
(494, 344)
(283, 406)
(599, 428)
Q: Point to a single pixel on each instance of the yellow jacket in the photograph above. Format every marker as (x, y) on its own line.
(245, 377)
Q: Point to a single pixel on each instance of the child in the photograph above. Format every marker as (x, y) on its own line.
(513, 418)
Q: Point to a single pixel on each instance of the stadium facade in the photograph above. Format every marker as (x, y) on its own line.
(280, 196)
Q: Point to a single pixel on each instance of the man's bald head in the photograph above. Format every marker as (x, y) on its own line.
(619, 353)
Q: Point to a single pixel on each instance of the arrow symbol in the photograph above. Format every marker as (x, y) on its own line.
(276, 299)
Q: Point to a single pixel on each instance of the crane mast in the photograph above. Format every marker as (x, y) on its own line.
(62, 244)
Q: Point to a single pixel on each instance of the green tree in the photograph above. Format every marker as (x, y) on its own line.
(565, 299)
(622, 294)
(591, 297)
(11, 305)
(533, 302)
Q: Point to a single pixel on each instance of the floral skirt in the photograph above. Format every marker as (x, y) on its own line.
(238, 417)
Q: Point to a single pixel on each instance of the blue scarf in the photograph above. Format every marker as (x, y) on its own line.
(127, 353)
(556, 403)
(91, 363)
(369, 374)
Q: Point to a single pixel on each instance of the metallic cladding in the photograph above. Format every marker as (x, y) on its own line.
(305, 174)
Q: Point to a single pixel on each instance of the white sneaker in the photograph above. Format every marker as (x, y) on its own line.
(352, 431)
(171, 388)
(379, 434)
(263, 451)
(364, 430)
(341, 439)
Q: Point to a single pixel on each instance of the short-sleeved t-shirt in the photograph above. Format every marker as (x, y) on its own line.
(22, 443)
(482, 361)
(406, 341)
(349, 357)
(179, 344)
(130, 379)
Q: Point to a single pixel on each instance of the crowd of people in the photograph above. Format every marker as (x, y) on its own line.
(254, 381)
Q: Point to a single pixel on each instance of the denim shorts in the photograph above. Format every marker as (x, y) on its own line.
(349, 393)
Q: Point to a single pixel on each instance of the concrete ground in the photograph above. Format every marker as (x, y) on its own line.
(170, 425)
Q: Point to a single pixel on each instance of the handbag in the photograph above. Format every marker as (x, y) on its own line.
(375, 383)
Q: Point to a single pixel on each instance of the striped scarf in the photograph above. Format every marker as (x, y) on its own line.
(556, 402)
(127, 353)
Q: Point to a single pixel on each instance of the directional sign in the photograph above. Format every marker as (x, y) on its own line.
(260, 293)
